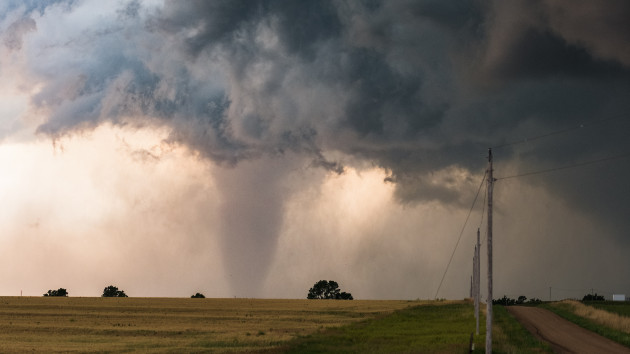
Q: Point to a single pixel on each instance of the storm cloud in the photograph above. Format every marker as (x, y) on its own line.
(417, 89)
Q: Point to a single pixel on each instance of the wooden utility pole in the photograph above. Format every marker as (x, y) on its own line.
(489, 299)
(477, 285)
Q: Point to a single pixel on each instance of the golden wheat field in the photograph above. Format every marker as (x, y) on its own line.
(601, 317)
(67, 324)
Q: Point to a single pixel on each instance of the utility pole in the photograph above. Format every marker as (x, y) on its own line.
(474, 279)
(489, 300)
(477, 282)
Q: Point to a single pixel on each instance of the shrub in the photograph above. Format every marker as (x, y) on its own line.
(59, 292)
(593, 297)
(112, 291)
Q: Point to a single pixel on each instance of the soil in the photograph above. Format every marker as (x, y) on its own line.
(562, 335)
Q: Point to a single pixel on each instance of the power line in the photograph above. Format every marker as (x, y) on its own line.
(530, 139)
(568, 166)
(562, 131)
(461, 233)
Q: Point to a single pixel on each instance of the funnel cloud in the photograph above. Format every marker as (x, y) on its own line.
(332, 139)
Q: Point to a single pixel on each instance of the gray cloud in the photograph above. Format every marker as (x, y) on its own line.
(12, 37)
(418, 88)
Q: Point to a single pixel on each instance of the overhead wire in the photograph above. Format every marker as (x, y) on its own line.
(561, 131)
(461, 233)
(580, 164)
(530, 139)
(527, 140)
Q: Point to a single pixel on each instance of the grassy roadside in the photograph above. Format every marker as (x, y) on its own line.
(509, 335)
(568, 311)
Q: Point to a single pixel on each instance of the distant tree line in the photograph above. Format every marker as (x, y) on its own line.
(109, 291)
(506, 301)
(521, 300)
(593, 297)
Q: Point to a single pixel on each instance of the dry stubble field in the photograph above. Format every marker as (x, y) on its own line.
(66, 324)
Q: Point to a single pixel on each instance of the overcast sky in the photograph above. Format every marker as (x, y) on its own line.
(251, 148)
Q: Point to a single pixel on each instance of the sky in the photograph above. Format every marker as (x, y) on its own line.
(250, 148)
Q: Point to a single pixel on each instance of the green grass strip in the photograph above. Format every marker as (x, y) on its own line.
(621, 308)
(427, 328)
(565, 310)
(510, 336)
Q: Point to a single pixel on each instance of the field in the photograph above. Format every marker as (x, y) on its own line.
(67, 324)
(619, 307)
(442, 327)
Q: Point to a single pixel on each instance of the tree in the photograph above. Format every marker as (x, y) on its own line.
(521, 299)
(593, 297)
(327, 290)
(112, 291)
(534, 301)
(59, 292)
(505, 301)
(198, 296)
(345, 296)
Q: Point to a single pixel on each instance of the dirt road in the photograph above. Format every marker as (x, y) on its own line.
(564, 336)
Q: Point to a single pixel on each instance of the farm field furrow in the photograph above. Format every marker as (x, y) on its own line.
(170, 324)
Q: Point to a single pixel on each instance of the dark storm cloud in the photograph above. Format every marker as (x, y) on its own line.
(600, 26)
(418, 88)
(564, 64)
(413, 81)
(413, 86)
(213, 22)
(299, 25)
(539, 54)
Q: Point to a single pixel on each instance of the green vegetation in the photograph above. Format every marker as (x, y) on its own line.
(440, 327)
(619, 307)
(509, 336)
(567, 310)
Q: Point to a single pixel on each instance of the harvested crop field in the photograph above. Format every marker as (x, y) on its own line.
(65, 324)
